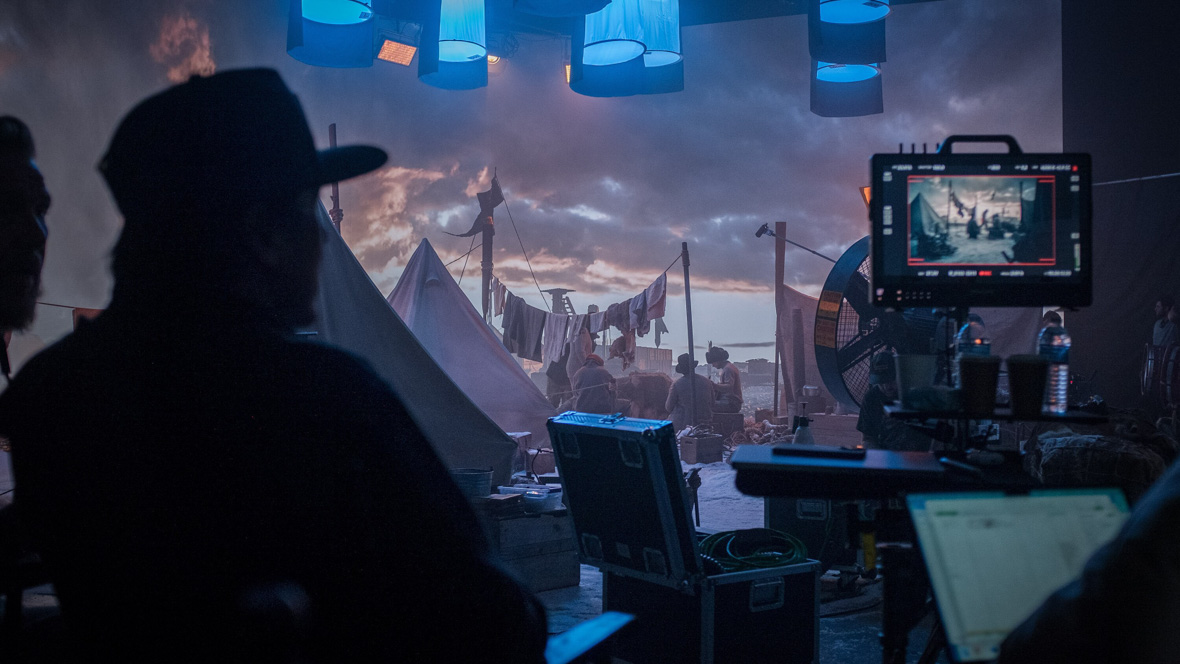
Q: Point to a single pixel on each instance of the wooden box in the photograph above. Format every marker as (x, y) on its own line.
(539, 548)
(701, 449)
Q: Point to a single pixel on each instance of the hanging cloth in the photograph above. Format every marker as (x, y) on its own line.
(657, 297)
(637, 314)
(660, 329)
(554, 338)
(534, 328)
(597, 322)
(523, 328)
(497, 297)
(513, 330)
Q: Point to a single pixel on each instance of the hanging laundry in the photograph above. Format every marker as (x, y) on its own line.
(657, 297)
(497, 296)
(555, 336)
(637, 314)
(523, 328)
(597, 322)
(624, 348)
(534, 329)
(577, 323)
(660, 329)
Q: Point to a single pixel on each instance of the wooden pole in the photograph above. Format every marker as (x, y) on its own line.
(486, 264)
(780, 271)
(692, 378)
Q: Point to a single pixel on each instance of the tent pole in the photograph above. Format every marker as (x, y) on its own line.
(780, 257)
(486, 263)
(692, 382)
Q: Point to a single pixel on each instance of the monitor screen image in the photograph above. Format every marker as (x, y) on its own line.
(980, 230)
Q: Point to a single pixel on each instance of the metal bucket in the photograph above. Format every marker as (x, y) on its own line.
(473, 482)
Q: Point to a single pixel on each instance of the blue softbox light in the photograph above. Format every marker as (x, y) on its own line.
(330, 33)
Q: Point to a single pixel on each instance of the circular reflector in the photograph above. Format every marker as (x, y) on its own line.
(454, 50)
(612, 52)
(834, 73)
(336, 12)
(852, 11)
(660, 58)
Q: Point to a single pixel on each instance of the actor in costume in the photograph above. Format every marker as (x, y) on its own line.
(728, 388)
(681, 402)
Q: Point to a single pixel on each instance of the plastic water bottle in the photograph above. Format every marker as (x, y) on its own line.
(1053, 345)
(971, 340)
(803, 434)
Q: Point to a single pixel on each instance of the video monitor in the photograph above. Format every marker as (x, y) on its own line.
(988, 229)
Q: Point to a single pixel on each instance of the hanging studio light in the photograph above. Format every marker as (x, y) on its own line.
(846, 39)
(559, 8)
(462, 35)
(457, 58)
(606, 58)
(330, 33)
(841, 91)
(847, 31)
(630, 47)
(660, 29)
(663, 60)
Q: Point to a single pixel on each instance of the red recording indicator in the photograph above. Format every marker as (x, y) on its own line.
(1075, 168)
(985, 273)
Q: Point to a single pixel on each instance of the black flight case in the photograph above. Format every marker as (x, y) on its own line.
(624, 487)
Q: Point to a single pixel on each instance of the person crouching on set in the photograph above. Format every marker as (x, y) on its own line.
(728, 390)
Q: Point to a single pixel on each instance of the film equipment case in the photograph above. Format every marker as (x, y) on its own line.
(625, 490)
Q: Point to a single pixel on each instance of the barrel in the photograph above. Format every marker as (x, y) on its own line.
(473, 482)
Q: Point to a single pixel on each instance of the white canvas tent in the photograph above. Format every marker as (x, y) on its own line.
(352, 314)
(440, 314)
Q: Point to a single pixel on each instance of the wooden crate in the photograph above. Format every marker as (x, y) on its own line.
(706, 449)
(541, 549)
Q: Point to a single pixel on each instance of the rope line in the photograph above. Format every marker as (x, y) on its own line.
(678, 258)
(526, 256)
(465, 257)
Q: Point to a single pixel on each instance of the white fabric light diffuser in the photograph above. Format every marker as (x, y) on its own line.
(462, 33)
(614, 35)
(660, 21)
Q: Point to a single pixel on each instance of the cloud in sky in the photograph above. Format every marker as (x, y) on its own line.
(601, 191)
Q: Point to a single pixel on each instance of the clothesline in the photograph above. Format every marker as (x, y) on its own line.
(464, 255)
(542, 336)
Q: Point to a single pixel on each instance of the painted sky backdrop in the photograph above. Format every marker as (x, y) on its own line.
(602, 191)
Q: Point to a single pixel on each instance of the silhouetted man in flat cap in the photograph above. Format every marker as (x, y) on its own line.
(189, 468)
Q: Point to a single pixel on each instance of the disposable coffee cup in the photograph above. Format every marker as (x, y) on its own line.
(913, 372)
(1027, 375)
(979, 375)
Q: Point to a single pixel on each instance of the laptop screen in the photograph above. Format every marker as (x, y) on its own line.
(994, 558)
